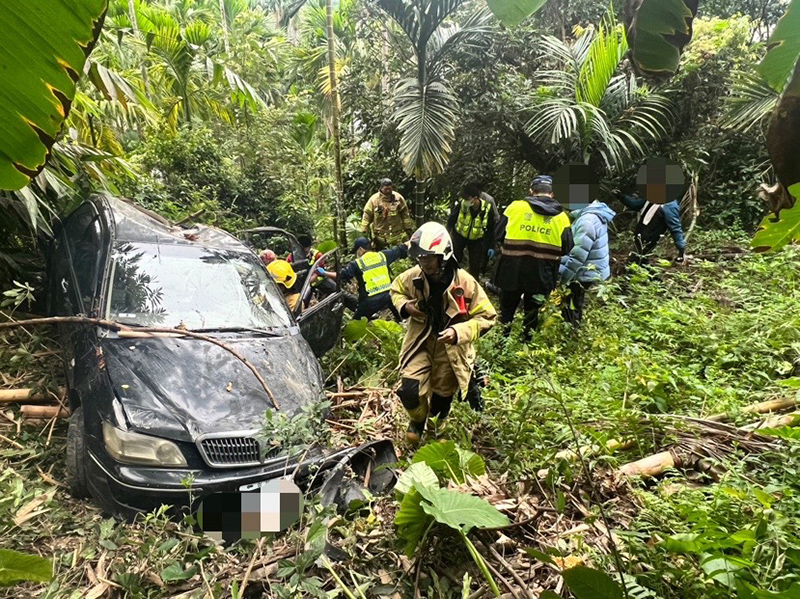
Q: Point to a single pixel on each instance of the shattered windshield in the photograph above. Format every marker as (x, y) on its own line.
(203, 288)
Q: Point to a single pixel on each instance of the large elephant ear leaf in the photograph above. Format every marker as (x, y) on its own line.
(783, 49)
(513, 12)
(657, 32)
(777, 231)
(44, 46)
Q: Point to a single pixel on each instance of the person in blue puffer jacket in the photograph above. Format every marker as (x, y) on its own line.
(588, 262)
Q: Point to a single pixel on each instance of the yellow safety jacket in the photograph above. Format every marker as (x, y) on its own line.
(473, 227)
(375, 272)
(529, 233)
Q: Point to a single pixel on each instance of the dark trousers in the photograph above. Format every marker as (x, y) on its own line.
(476, 250)
(368, 307)
(572, 309)
(509, 301)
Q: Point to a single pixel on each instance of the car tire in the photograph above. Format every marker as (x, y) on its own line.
(76, 455)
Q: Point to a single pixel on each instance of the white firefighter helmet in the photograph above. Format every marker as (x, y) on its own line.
(431, 239)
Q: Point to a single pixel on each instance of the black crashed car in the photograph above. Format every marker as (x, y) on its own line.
(160, 419)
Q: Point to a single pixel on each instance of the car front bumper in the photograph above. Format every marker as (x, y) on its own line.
(126, 490)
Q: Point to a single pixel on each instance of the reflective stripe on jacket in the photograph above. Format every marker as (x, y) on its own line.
(470, 226)
(375, 272)
(529, 233)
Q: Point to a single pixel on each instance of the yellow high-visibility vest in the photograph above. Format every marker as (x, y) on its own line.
(375, 272)
(529, 233)
(470, 227)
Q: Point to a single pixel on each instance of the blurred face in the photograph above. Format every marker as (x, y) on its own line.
(360, 252)
(386, 190)
(429, 265)
(475, 201)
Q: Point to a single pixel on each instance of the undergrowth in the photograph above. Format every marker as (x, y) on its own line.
(701, 339)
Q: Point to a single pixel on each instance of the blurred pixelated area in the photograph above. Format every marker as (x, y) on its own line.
(261, 508)
(575, 186)
(661, 181)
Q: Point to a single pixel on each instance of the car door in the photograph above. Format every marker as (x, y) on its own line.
(77, 258)
(321, 322)
(281, 242)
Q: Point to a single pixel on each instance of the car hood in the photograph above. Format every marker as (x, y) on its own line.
(182, 388)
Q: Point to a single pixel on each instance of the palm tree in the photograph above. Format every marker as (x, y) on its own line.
(589, 109)
(426, 109)
(750, 104)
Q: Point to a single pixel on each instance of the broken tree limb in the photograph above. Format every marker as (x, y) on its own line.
(44, 412)
(115, 326)
(589, 451)
(652, 465)
(764, 407)
(774, 422)
(26, 395)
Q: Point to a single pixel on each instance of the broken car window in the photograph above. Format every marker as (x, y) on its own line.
(164, 285)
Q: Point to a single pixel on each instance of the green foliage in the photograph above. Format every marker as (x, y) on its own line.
(423, 502)
(776, 232)
(40, 64)
(514, 12)
(450, 461)
(784, 49)
(588, 108)
(17, 567)
(657, 31)
(292, 432)
(586, 583)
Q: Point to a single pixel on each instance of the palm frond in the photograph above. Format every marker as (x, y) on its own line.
(750, 104)
(559, 52)
(606, 51)
(426, 117)
(406, 15)
(445, 38)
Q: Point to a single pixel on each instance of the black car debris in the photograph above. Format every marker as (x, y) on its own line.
(164, 419)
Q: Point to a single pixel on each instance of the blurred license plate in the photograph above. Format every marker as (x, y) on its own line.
(256, 509)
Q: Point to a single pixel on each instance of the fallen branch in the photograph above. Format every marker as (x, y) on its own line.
(773, 405)
(651, 465)
(117, 327)
(44, 412)
(27, 395)
(774, 422)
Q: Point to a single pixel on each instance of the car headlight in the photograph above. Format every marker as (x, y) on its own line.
(133, 448)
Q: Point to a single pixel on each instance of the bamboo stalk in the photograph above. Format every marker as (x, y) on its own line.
(652, 465)
(26, 395)
(773, 405)
(774, 422)
(44, 412)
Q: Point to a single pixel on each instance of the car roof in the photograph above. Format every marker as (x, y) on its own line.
(136, 224)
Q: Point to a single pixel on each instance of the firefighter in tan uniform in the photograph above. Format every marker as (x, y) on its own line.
(386, 212)
(447, 311)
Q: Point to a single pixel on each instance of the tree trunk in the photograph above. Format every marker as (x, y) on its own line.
(138, 34)
(224, 20)
(339, 231)
(419, 202)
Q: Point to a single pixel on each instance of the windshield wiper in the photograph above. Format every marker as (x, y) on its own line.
(266, 332)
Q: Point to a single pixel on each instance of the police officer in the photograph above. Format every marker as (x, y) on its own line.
(371, 270)
(471, 225)
(534, 233)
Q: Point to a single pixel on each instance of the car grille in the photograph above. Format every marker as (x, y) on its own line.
(228, 452)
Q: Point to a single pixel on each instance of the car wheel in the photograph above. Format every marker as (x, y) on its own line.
(76, 455)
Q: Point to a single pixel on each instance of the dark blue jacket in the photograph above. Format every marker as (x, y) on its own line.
(588, 261)
(670, 219)
(352, 271)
